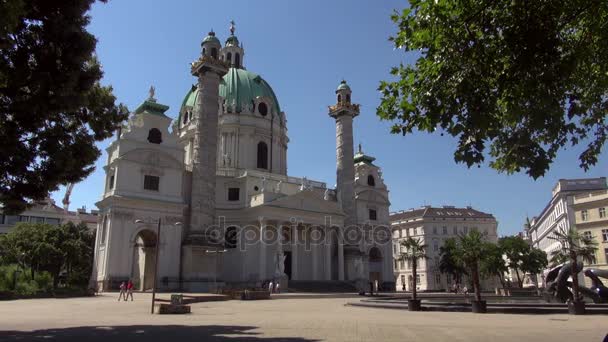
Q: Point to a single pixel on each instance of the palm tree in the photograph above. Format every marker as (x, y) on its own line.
(415, 249)
(572, 246)
(471, 251)
(448, 264)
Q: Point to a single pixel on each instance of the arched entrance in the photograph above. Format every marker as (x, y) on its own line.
(375, 266)
(144, 254)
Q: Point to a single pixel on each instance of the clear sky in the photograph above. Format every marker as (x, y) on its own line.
(303, 49)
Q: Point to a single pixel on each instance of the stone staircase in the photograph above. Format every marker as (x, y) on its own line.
(321, 286)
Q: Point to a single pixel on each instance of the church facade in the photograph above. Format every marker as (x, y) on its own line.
(211, 190)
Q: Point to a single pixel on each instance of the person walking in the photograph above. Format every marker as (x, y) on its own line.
(466, 291)
(270, 286)
(129, 290)
(123, 289)
(277, 288)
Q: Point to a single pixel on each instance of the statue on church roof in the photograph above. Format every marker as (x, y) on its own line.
(232, 27)
(151, 93)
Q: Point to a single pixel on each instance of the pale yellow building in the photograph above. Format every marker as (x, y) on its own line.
(591, 219)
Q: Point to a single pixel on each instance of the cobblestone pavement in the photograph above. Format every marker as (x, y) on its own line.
(102, 318)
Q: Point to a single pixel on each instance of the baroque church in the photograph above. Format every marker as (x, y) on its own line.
(211, 190)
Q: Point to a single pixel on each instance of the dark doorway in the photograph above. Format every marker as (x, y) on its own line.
(288, 264)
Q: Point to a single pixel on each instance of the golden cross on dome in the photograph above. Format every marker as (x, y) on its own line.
(232, 27)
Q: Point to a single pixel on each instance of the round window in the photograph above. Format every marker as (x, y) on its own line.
(263, 109)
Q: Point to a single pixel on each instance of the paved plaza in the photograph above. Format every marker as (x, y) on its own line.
(102, 318)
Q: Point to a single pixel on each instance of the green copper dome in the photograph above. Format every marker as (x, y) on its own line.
(239, 88)
(211, 38)
(343, 86)
(232, 41)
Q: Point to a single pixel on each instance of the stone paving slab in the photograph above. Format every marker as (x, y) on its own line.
(102, 318)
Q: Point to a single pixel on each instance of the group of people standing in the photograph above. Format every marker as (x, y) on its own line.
(456, 289)
(126, 290)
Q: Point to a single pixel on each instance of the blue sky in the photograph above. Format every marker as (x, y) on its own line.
(303, 49)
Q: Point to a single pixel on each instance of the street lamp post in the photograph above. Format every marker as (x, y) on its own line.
(157, 252)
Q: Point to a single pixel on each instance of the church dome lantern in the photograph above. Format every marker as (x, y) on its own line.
(211, 46)
(343, 93)
(233, 51)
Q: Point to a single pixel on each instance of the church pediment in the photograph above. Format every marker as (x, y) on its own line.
(307, 201)
(370, 195)
(152, 158)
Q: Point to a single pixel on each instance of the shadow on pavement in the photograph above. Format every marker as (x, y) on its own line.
(148, 333)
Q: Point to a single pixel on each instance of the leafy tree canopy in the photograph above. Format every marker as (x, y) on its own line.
(52, 106)
(514, 81)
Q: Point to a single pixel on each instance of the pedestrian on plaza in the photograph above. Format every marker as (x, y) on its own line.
(129, 290)
(270, 286)
(403, 287)
(123, 289)
(371, 288)
(465, 290)
(277, 288)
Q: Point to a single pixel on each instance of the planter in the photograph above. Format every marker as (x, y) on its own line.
(576, 308)
(413, 305)
(479, 306)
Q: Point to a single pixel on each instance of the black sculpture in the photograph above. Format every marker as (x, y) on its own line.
(559, 288)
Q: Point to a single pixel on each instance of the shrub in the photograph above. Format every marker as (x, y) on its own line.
(27, 288)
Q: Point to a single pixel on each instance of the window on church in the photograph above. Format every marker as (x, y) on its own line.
(237, 60)
(371, 181)
(229, 57)
(347, 98)
(185, 117)
(214, 52)
(339, 98)
(373, 215)
(155, 136)
(262, 109)
(230, 237)
(151, 182)
(111, 182)
(262, 154)
(233, 194)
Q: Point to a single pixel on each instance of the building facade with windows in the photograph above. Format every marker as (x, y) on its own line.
(591, 219)
(217, 180)
(558, 214)
(434, 225)
(47, 211)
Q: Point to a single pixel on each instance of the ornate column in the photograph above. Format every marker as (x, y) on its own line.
(294, 251)
(340, 259)
(314, 251)
(209, 72)
(327, 243)
(262, 266)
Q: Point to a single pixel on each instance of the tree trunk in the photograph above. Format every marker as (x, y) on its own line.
(502, 282)
(574, 275)
(519, 281)
(414, 280)
(476, 282)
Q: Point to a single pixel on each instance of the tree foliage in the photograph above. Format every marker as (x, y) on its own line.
(415, 250)
(65, 249)
(493, 264)
(52, 106)
(512, 80)
(448, 263)
(521, 257)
